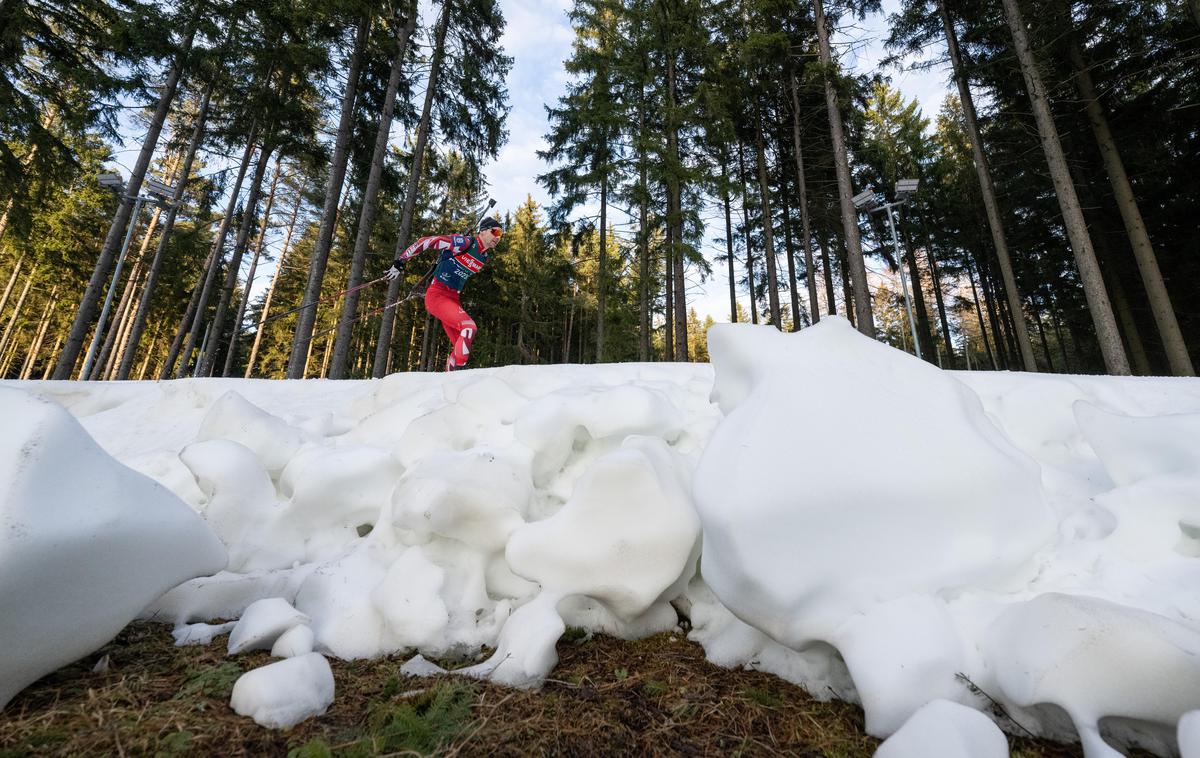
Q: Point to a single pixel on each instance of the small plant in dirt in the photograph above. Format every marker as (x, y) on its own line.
(210, 681)
(762, 697)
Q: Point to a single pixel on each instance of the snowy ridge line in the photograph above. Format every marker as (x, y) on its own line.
(837, 513)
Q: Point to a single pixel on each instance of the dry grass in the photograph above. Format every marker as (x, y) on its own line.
(607, 697)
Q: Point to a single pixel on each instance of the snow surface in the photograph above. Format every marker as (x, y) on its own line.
(816, 505)
(85, 542)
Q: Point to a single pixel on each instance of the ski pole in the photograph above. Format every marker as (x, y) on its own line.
(334, 296)
(414, 293)
(482, 216)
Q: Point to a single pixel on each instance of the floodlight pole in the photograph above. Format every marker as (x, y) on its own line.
(912, 324)
(112, 286)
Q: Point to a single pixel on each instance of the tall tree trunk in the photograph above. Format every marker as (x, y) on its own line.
(1085, 257)
(383, 343)
(827, 271)
(854, 254)
(669, 287)
(333, 190)
(1062, 343)
(208, 358)
(938, 296)
(112, 337)
(729, 241)
(36, 347)
(11, 280)
(991, 304)
(1139, 239)
(366, 219)
(847, 290)
(1037, 319)
(193, 316)
(239, 317)
(279, 264)
(924, 333)
(806, 229)
(602, 275)
(112, 242)
(12, 320)
(139, 321)
(979, 315)
(987, 188)
(789, 248)
(675, 216)
(16, 312)
(746, 227)
(643, 240)
(768, 230)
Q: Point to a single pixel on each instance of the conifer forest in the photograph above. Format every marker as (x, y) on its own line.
(284, 153)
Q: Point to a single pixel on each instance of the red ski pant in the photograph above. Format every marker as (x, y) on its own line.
(443, 304)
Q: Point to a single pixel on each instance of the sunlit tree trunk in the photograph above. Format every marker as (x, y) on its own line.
(112, 242)
(319, 259)
(188, 332)
(746, 227)
(383, 343)
(805, 228)
(240, 315)
(208, 356)
(1139, 239)
(366, 219)
(986, 187)
(729, 241)
(36, 347)
(865, 320)
(1085, 258)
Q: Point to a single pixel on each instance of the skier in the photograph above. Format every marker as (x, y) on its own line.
(461, 257)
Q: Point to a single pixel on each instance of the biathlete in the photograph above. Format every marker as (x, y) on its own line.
(462, 257)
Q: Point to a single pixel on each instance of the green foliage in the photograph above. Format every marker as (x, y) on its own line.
(210, 681)
(421, 723)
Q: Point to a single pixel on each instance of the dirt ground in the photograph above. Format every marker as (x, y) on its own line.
(657, 696)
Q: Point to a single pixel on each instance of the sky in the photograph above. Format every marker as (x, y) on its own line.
(538, 37)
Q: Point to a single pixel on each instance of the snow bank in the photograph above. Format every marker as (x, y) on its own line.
(85, 543)
(844, 516)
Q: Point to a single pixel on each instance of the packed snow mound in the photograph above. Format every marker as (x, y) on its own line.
(85, 542)
(943, 729)
(874, 525)
(844, 516)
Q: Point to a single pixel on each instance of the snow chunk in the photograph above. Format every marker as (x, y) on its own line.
(262, 623)
(282, 694)
(591, 546)
(85, 542)
(419, 666)
(294, 642)
(803, 529)
(945, 729)
(1096, 659)
(1133, 449)
(525, 652)
(1189, 735)
(553, 425)
(235, 418)
(477, 496)
(199, 634)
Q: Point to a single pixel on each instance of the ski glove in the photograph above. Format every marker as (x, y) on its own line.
(396, 270)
